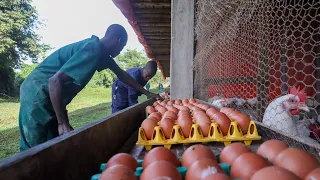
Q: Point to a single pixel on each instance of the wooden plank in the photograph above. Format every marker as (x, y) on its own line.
(76, 155)
(182, 49)
(153, 5)
(155, 11)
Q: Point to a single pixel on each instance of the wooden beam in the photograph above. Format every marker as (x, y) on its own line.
(157, 37)
(167, 24)
(153, 20)
(78, 154)
(182, 49)
(156, 34)
(166, 11)
(155, 29)
(154, 15)
(145, 5)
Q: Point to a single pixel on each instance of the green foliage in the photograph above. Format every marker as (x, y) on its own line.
(18, 40)
(104, 78)
(131, 58)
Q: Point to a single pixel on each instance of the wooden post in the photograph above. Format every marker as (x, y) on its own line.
(182, 49)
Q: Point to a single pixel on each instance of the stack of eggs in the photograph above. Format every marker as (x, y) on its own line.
(273, 160)
(166, 114)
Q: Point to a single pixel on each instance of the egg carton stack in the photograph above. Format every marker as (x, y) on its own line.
(184, 122)
(273, 160)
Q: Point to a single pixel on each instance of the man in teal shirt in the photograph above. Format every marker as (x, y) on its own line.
(51, 86)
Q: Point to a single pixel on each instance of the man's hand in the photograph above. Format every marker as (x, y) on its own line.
(156, 96)
(64, 128)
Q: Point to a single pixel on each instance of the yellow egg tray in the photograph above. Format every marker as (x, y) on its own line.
(196, 136)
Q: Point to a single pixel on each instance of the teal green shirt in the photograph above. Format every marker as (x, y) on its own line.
(78, 60)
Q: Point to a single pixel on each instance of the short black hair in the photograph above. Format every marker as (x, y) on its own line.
(117, 31)
(151, 66)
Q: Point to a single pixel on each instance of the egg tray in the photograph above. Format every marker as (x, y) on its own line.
(196, 136)
(182, 170)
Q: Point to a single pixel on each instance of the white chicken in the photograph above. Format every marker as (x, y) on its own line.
(279, 114)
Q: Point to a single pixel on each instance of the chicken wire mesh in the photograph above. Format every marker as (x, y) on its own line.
(250, 54)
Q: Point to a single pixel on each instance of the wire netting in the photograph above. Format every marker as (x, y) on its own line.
(250, 53)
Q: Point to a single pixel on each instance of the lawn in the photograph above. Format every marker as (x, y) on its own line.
(90, 105)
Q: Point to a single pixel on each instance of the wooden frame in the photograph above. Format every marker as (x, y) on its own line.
(77, 155)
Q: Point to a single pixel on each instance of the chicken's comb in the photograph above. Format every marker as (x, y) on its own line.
(300, 93)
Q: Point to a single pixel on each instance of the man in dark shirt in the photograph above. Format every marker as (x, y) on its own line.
(124, 96)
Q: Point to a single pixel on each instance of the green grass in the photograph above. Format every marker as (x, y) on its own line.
(90, 105)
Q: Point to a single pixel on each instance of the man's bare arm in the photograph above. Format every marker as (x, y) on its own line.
(56, 91)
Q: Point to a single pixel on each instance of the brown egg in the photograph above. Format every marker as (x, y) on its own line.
(242, 119)
(160, 154)
(157, 115)
(226, 111)
(170, 103)
(210, 112)
(161, 109)
(217, 176)
(223, 121)
(195, 108)
(118, 172)
(150, 109)
(184, 108)
(194, 153)
(199, 113)
(297, 161)
(274, 173)
(247, 164)
(123, 159)
(163, 103)
(232, 152)
(160, 170)
(170, 115)
(192, 100)
(155, 104)
(203, 168)
(178, 102)
(313, 175)
(204, 124)
(173, 109)
(167, 125)
(185, 123)
(271, 148)
(205, 107)
(148, 126)
(185, 101)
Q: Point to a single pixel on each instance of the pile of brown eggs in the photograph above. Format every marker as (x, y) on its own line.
(168, 113)
(274, 160)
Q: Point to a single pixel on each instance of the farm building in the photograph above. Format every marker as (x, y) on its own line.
(251, 53)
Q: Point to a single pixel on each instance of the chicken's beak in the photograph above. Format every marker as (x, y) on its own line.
(304, 107)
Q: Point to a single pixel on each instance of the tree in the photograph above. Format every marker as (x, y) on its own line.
(18, 39)
(131, 58)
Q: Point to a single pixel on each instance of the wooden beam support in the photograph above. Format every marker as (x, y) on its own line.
(151, 5)
(182, 49)
(166, 11)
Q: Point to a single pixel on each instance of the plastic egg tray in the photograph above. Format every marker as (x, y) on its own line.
(182, 170)
(196, 136)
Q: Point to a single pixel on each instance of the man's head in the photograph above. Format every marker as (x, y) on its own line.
(114, 39)
(149, 70)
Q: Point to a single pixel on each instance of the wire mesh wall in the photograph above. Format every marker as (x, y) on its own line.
(261, 57)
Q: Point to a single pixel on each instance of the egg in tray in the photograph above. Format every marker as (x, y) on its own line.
(183, 122)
